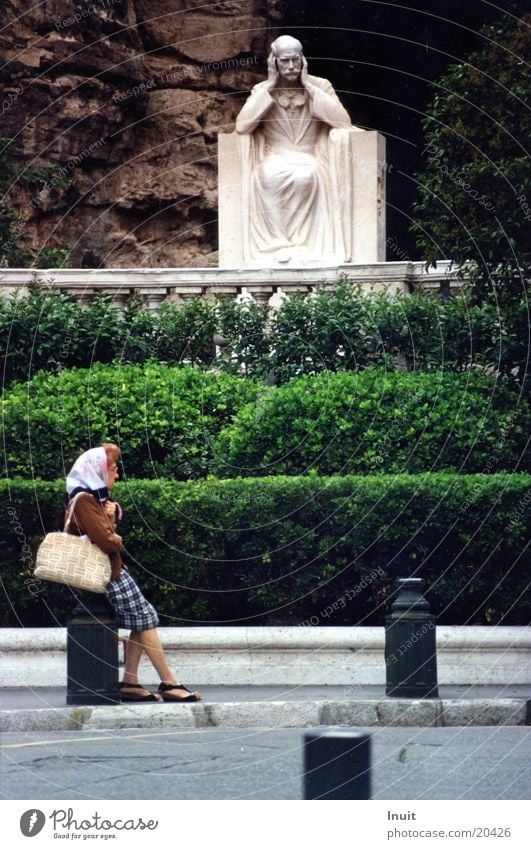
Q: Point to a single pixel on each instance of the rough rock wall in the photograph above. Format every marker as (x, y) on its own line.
(125, 99)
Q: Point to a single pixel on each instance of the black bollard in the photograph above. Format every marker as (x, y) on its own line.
(410, 645)
(92, 653)
(337, 765)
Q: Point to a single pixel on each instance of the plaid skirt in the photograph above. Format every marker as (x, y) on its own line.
(131, 609)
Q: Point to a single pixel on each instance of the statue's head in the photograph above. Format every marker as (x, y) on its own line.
(288, 54)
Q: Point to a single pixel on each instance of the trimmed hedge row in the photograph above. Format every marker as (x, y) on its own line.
(294, 550)
(184, 423)
(165, 418)
(377, 422)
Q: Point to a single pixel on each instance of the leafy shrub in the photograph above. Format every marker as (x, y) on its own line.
(245, 327)
(350, 329)
(294, 550)
(51, 331)
(346, 329)
(376, 422)
(165, 418)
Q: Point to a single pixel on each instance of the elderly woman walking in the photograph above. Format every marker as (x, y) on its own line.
(91, 479)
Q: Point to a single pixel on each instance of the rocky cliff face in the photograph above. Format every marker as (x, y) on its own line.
(125, 98)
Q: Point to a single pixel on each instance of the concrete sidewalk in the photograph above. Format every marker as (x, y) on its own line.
(44, 709)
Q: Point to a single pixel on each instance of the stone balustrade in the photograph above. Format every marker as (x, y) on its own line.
(162, 285)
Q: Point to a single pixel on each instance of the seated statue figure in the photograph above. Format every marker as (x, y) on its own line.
(296, 165)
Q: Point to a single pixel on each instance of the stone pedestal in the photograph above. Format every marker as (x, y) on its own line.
(92, 653)
(337, 765)
(366, 198)
(410, 643)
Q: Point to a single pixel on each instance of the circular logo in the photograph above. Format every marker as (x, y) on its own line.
(32, 822)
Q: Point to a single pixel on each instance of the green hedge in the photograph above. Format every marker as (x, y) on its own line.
(347, 329)
(294, 550)
(47, 330)
(377, 422)
(184, 423)
(164, 417)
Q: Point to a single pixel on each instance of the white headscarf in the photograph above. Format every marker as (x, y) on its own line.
(90, 472)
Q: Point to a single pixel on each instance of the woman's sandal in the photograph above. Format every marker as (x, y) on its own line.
(164, 688)
(132, 697)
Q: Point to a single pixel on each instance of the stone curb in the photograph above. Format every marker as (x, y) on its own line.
(286, 656)
(362, 713)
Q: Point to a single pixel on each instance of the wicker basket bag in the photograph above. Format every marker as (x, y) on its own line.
(67, 559)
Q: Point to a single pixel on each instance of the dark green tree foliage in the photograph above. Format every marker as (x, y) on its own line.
(296, 551)
(51, 332)
(348, 329)
(475, 190)
(245, 329)
(373, 422)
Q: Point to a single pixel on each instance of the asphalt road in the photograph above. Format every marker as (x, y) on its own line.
(407, 763)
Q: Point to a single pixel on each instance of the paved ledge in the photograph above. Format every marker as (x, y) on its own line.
(289, 656)
(292, 713)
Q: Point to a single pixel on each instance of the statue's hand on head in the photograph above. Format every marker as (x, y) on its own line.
(272, 71)
(304, 76)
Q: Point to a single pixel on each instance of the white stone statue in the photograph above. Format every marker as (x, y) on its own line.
(291, 171)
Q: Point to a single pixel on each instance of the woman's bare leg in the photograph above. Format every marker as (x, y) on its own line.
(151, 644)
(133, 652)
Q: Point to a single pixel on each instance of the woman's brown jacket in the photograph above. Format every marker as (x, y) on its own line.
(90, 518)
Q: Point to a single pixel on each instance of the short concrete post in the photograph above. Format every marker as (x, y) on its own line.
(337, 765)
(410, 644)
(92, 653)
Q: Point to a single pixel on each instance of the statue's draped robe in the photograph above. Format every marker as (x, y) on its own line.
(296, 175)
